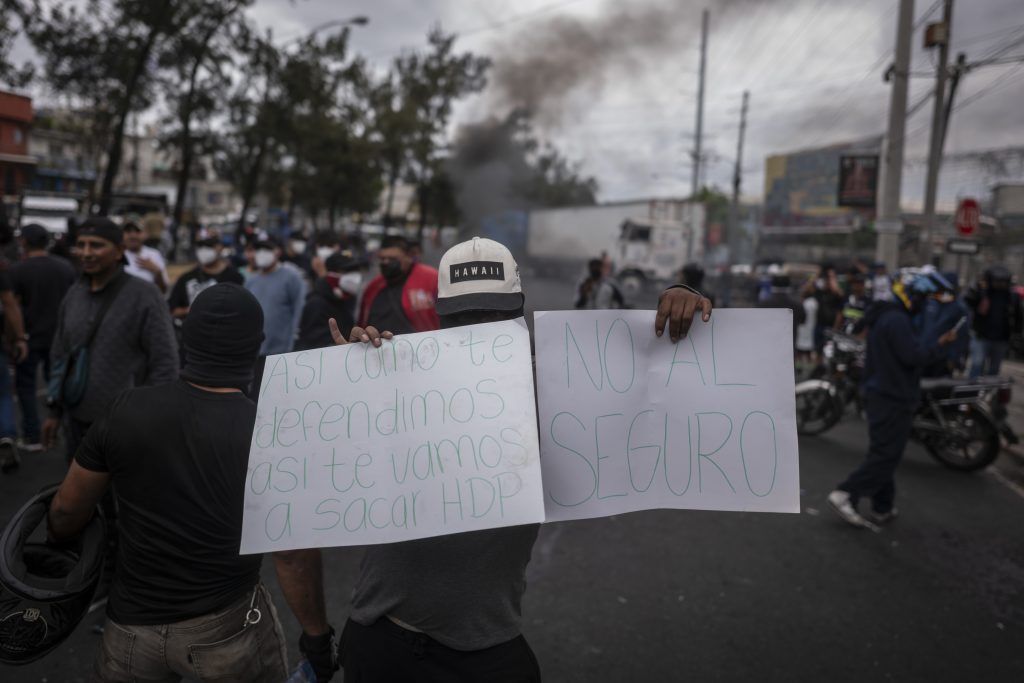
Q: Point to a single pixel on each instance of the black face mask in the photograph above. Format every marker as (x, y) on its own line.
(391, 270)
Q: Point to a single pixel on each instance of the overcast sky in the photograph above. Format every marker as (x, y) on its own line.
(813, 67)
(615, 81)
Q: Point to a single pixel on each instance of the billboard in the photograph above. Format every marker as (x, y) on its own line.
(858, 180)
(802, 189)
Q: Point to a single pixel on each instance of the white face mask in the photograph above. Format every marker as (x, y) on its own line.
(206, 255)
(350, 282)
(323, 253)
(298, 246)
(265, 258)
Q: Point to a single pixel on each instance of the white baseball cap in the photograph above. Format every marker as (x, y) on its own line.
(478, 275)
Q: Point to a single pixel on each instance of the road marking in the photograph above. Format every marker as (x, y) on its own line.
(1012, 485)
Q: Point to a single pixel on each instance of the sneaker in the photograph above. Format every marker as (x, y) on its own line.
(30, 446)
(840, 502)
(9, 460)
(884, 517)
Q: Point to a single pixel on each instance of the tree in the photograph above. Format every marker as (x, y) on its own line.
(413, 106)
(104, 55)
(242, 146)
(196, 65)
(12, 75)
(299, 128)
(431, 83)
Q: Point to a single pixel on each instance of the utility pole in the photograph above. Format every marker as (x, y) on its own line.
(936, 34)
(695, 182)
(889, 224)
(959, 69)
(737, 179)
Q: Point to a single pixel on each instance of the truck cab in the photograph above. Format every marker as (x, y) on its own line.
(651, 251)
(50, 211)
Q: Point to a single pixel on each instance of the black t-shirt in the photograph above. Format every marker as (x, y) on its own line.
(386, 312)
(177, 458)
(41, 282)
(191, 284)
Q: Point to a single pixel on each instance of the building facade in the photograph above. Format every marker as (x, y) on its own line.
(16, 164)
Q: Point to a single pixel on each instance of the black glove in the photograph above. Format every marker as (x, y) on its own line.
(322, 653)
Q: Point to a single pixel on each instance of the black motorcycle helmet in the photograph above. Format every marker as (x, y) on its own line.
(45, 590)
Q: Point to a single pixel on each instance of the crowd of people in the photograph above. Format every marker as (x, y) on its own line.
(152, 384)
(159, 439)
(915, 326)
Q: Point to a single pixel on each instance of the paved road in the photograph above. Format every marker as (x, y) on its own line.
(702, 596)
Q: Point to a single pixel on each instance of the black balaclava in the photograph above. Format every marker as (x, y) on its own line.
(222, 336)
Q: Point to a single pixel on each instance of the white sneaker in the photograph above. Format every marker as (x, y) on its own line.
(30, 446)
(840, 502)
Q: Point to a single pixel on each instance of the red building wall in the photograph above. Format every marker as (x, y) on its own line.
(15, 123)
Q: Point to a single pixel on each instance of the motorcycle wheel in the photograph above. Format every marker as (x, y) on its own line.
(817, 411)
(971, 444)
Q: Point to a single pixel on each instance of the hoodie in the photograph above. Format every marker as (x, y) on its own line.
(321, 305)
(895, 355)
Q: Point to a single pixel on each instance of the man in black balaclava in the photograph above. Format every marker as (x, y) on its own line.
(177, 455)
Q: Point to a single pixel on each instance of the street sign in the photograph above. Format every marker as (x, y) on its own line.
(970, 247)
(968, 216)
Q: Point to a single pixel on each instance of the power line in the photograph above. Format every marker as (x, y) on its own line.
(995, 85)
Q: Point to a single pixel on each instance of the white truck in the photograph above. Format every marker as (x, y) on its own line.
(51, 212)
(647, 240)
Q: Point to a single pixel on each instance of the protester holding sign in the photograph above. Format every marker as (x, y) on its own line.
(895, 359)
(449, 607)
(183, 601)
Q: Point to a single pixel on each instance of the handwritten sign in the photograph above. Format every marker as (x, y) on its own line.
(433, 433)
(629, 421)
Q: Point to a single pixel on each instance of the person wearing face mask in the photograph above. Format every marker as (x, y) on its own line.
(327, 243)
(896, 356)
(403, 298)
(281, 294)
(943, 311)
(212, 269)
(333, 296)
(296, 255)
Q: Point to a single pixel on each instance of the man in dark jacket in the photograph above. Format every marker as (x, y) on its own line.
(134, 345)
(997, 316)
(333, 296)
(895, 359)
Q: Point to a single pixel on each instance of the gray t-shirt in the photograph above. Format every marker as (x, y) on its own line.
(463, 590)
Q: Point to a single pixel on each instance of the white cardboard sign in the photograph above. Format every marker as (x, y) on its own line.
(630, 421)
(433, 433)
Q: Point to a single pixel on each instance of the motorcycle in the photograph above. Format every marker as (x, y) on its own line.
(822, 400)
(961, 422)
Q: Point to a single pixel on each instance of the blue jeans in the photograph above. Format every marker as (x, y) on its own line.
(987, 356)
(25, 385)
(8, 428)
